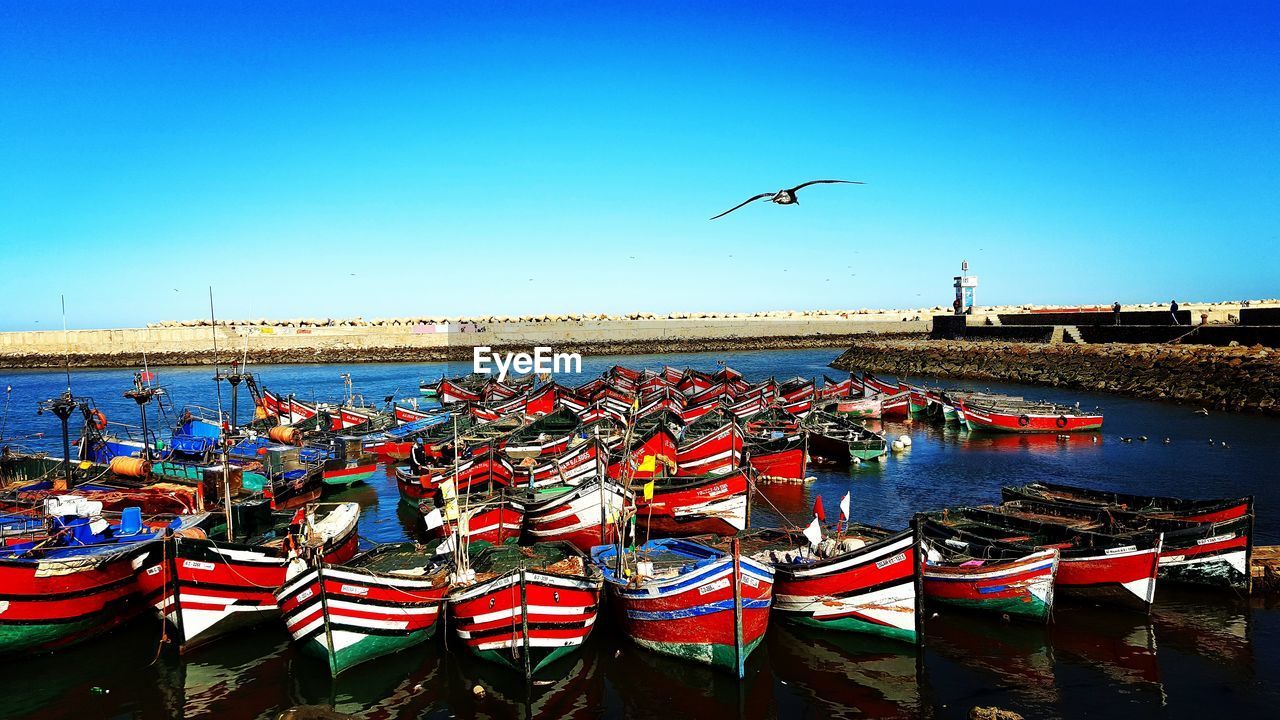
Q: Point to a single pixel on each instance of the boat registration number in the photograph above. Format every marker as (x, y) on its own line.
(304, 594)
(1118, 550)
(355, 590)
(713, 586)
(1215, 539)
(891, 561)
(197, 565)
(750, 581)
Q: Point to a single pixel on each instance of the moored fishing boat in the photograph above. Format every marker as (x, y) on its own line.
(206, 586)
(863, 580)
(1093, 567)
(1024, 417)
(524, 607)
(1017, 585)
(582, 515)
(838, 441)
(1155, 506)
(689, 600)
(856, 408)
(777, 458)
(1212, 554)
(379, 602)
(693, 505)
(712, 445)
(77, 580)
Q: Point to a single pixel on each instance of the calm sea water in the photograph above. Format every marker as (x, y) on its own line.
(1197, 653)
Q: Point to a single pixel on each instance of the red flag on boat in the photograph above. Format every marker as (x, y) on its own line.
(818, 511)
(147, 376)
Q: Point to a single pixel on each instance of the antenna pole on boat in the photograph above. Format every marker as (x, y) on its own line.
(62, 407)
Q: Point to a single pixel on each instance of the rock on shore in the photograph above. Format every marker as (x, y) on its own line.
(1222, 378)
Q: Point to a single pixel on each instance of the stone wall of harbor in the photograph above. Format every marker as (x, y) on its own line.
(1222, 378)
(421, 341)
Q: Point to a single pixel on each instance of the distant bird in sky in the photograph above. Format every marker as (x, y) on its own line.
(785, 197)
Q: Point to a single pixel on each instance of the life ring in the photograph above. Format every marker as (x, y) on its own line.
(1024, 420)
(99, 420)
(1062, 421)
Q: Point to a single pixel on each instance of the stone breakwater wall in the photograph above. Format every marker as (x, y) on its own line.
(426, 342)
(1224, 378)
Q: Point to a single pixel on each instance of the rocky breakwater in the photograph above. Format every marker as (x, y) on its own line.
(1225, 378)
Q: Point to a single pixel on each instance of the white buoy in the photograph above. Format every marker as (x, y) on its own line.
(905, 440)
(898, 446)
(856, 461)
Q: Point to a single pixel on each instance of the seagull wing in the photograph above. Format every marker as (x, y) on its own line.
(744, 202)
(816, 182)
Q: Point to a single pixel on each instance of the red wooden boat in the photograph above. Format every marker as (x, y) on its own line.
(688, 600)
(716, 451)
(524, 607)
(682, 506)
(1017, 586)
(378, 603)
(568, 468)
(780, 458)
(1092, 566)
(1028, 417)
(1153, 506)
(487, 470)
(657, 441)
(862, 581)
(582, 515)
(205, 588)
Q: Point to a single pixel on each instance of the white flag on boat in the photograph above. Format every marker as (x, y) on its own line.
(844, 507)
(434, 519)
(814, 532)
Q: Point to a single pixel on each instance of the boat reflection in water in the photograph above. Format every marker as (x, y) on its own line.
(570, 687)
(846, 675)
(658, 687)
(971, 659)
(1120, 645)
(232, 679)
(1028, 442)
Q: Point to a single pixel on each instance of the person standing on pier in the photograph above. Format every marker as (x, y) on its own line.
(1115, 312)
(1173, 310)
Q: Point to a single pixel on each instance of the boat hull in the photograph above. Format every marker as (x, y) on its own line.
(347, 617)
(870, 590)
(1018, 588)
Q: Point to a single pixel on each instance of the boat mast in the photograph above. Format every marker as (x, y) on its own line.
(226, 471)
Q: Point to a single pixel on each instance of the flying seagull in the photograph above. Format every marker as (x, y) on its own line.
(785, 197)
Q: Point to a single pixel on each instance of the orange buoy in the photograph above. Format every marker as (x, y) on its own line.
(99, 420)
(284, 434)
(130, 467)
(259, 413)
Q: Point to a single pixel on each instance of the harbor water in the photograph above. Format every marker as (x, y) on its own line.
(1197, 653)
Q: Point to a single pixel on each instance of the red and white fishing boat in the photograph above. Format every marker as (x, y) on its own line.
(1015, 586)
(524, 607)
(777, 458)
(493, 517)
(569, 468)
(379, 602)
(486, 470)
(860, 581)
(689, 600)
(582, 515)
(682, 506)
(1026, 417)
(205, 588)
(1092, 566)
(715, 452)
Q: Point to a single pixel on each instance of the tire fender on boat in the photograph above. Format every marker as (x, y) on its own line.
(1024, 420)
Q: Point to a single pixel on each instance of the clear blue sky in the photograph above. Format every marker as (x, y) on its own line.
(461, 159)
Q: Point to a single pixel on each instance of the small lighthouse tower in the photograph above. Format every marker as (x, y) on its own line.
(966, 285)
